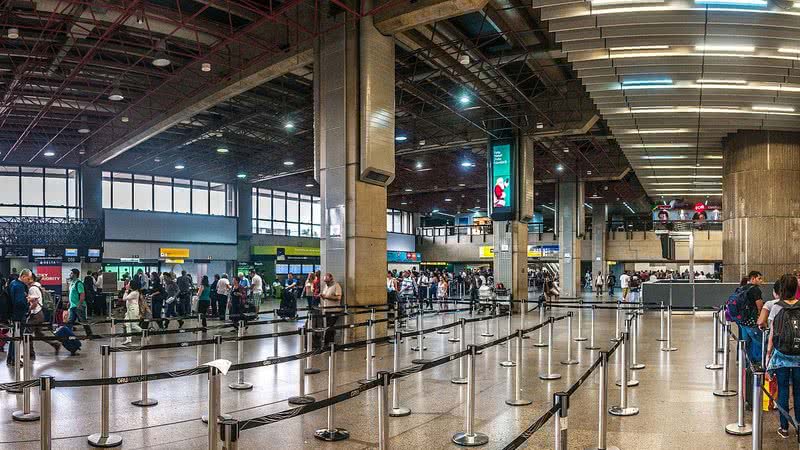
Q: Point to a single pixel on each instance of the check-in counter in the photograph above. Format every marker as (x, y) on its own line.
(681, 294)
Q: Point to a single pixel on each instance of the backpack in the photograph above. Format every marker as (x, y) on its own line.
(6, 305)
(47, 299)
(737, 307)
(786, 329)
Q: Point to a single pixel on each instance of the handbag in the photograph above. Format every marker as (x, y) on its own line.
(195, 299)
(170, 300)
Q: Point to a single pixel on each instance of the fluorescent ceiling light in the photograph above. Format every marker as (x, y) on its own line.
(309, 184)
(639, 47)
(289, 126)
(688, 183)
(464, 99)
(652, 82)
(682, 176)
(724, 48)
(707, 194)
(687, 189)
(560, 168)
(49, 153)
(83, 130)
(659, 145)
(665, 157)
(716, 81)
(180, 167)
(408, 190)
(448, 199)
(713, 157)
(400, 138)
(681, 167)
(622, 2)
(732, 2)
(288, 163)
(222, 150)
(655, 131)
(241, 175)
(771, 108)
(205, 67)
(467, 164)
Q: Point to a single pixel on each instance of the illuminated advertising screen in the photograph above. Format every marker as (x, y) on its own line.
(501, 181)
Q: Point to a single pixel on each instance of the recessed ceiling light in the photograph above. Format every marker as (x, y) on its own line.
(49, 153)
(408, 190)
(116, 94)
(158, 160)
(288, 163)
(467, 164)
(566, 150)
(241, 175)
(418, 165)
(461, 184)
(124, 119)
(588, 172)
(725, 48)
(719, 81)
(464, 60)
(289, 126)
(205, 67)
(161, 60)
(83, 130)
(560, 168)
(448, 199)
(464, 99)
(400, 138)
(179, 167)
(775, 108)
(13, 33)
(435, 210)
(403, 203)
(222, 150)
(309, 184)
(539, 125)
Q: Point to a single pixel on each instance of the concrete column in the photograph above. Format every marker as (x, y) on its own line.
(354, 134)
(92, 192)
(761, 214)
(511, 257)
(245, 210)
(570, 229)
(599, 219)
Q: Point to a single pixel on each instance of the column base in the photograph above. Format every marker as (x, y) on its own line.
(623, 412)
(301, 400)
(145, 402)
(243, 386)
(470, 440)
(112, 440)
(400, 411)
(736, 430)
(332, 435)
(20, 416)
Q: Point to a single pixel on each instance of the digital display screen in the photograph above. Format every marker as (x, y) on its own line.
(94, 253)
(502, 182)
(70, 252)
(38, 252)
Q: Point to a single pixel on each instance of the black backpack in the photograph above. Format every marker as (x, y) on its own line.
(786, 329)
(6, 303)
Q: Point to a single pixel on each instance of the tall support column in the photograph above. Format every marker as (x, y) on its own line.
(760, 170)
(92, 192)
(511, 257)
(599, 220)
(354, 143)
(570, 230)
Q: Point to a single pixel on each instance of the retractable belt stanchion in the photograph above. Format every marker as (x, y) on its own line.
(667, 345)
(623, 409)
(275, 339)
(726, 391)
(144, 401)
(515, 399)
(561, 399)
(346, 333)
(197, 337)
(461, 378)
(569, 361)
(331, 433)
(721, 320)
(523, 311)
(661, 337)
(441, 322)
(229, 434)
(509, 362)
(383, 413)
(217, 355)
(45, 405)
(25, 414)
(103, 438)
(368, 353)
(541, 343)
(602, 401)
(715, 365)
(302, 398)
(475, 336)
(758, 398)
(213, 406)
(469, 437)
(240, 384)
(112, 344)
(580, 337)
(592, 345)
(550, 375)
(616, 325)
(310, 370)
(17, 332)
(739, 428)
(397, 410)
(625, 348)
(635, 364)
(488, 329)
(458, 335)
(420, 348)
(764, 340)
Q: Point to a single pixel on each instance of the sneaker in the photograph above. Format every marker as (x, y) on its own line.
(783, 433)
(128, 341)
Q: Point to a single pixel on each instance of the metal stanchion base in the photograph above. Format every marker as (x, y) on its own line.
(540, 345)
(637, 366)
(525, 336)
(112, 440)
(669, 349)
(312, 371)
(332, 435)
(487, 334)
(618, 411)
(593, 347)
(245, 386)
(470, 440)
(608, 447)
(508, 364)
(454, 339)
(580, 339)
(20, 416)
(420, 361)
(458, 380)
(443, 332)
(713, 366)
(145, 402)
(661, 340)
(416, 349)
(631, 383)
(204, 418)
(725, 393)
(346, 349)
(365, 381)
(301, 400)
(736, 430)
(519, 402)
(549, 376)
(400, 411)
(570, 362)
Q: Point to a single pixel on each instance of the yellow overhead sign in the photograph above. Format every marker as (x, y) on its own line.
(174, 253)
(486, 251)
(272, 250)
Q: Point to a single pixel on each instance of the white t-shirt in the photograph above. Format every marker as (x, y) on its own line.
(35, 291)
(257, 284)
(223, 286)
(623, 280)
(131, 298)
(334, 289)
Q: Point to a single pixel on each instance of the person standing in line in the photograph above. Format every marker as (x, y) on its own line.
(131, 298)
(624, 281)
(748, 323)
(157, 297)
(331, 297)
(783, 364)
(184, 296)
(18, 293)
(172, 296)
(611, 281)
(308, 290)
(238, 297)
(213, 292)
(223, 289)
(441, 292)
(257, 288)
(77, 301)
(203, 299)
(89, 286)
(317, 287)
(36, 316)
(598, 285)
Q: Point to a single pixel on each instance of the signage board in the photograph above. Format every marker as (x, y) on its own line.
(486, 251)
(176, 253)
(393, 256)
(275, 250)
(502, 182)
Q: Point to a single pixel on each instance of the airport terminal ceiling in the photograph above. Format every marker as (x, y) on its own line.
(223, 91)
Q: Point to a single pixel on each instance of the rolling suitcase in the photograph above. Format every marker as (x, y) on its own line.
(72, 345)
(288, 308)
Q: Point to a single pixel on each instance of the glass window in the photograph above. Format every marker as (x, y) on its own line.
(287, 213)
(162, 192)
(217, 199)
(121, 191)
(143, 195)
(182, 195)
(264, 204)
(278, 205)
(199, 197)
(72, 188)
(33, 187)
(106, 189)
(55, 187)
(305, 209)
(389, 221)
(9, 186)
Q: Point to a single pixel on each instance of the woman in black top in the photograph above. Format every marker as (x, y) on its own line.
(157, 297)
(238, 297)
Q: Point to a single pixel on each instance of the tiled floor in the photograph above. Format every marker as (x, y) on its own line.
(678, 409)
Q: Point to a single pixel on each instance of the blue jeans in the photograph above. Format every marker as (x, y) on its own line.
(753, 336)
(785, 376)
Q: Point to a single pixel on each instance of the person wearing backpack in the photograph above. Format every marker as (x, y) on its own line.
(37, 302)
(20, 308)
(77, 302)
(783, 349)
(744, 307)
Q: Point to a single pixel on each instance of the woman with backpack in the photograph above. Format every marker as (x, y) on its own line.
(783, 353)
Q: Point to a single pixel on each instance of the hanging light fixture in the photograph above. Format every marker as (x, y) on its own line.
(160, 58)
(84, 126)
(13, 33)
(205, 67)
(116, 93)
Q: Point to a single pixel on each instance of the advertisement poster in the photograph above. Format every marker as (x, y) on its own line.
(501, 181)
(49, 269)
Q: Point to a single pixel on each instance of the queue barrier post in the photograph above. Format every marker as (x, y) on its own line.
(17, 332)
(661, 337)
(368, 353)
(623, 409)
(569, 361)
(25, 414)
(726, 391)
(240, 384)
(561, 399)
(721, 325)
(229, 434)
(213, 406)
(470, 437)
(616, 325)
(420, 348)
(112, 343)
(302, 398)
(46, 407)
(602, 401)
(523, 311)
(197, 337)
(383, 413)
(667, 345)
(592, 345)
(509, 362)
(397, 410)
(739, 428)
(515, 399)
(540, 343)
(103, 438)
(715, 365)
(626, 350)
(462, 378)
(487, 332)
(441, 321)
(217, 354)
(275, 330)
(310, 370)
(458, 334)
(550, 375)
(758, 398)
(580, 337)
(145, 401)
(330, 433)
(635, 364)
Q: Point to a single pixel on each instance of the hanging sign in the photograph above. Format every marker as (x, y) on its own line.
(502, 183)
